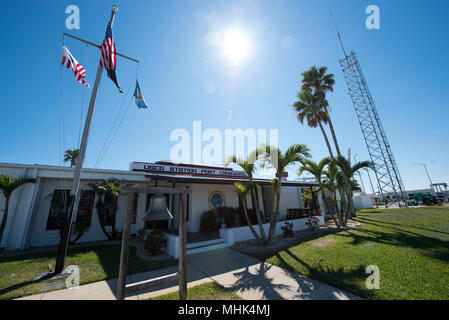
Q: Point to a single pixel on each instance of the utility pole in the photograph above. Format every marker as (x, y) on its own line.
(427, 171)
(74, 194)
(370, 181)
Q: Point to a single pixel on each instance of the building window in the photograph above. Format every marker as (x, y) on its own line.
(58, 208)
(86, 207)
(59, 204)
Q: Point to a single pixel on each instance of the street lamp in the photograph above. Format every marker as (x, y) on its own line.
(425, 167)
(360, 175)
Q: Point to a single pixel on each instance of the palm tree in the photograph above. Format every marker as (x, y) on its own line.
(280, 161)
(355, 185)
(7, 186)
(108, 192)
(72, 156)
(318, 81)
(334, 181)
(308, 108)
(248, 166)
(242, 191)
(317, 170)
(348, 171)
(331, 178)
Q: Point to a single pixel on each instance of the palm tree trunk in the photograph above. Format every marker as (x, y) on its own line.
(328, 208)
(336, 208)
(4, 219)
(113, 229)
(274, 216)
(348, 204)
(251, 228)
(351, 206)
(334, 137)
(101, 213)
(103, 228)
(253, 201)
(326, 139)
(259, 220)
(341, 210)
(76, 239)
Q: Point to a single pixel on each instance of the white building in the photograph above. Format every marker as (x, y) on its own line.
(31, 224)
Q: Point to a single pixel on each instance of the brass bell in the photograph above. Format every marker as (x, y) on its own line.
(158, 209)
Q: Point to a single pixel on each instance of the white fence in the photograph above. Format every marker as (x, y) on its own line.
(232, 235)
(172, 247)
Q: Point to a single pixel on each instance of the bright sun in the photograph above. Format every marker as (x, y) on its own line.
(236, 45)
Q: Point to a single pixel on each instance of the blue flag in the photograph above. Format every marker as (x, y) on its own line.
(140, 101)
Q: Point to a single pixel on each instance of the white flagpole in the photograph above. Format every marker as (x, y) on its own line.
(74, 194)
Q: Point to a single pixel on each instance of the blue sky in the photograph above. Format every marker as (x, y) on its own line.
(185, 78)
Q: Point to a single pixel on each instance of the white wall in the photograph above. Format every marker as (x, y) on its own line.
(200, 201)
(232, 235)
(291, 198)
(362, 202)
(20, 207)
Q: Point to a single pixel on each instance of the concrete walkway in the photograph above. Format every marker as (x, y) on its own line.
(248, 277)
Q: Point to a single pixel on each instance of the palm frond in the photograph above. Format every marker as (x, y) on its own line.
(9, 184)
(362, 164)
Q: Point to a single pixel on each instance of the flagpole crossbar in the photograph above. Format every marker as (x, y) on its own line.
(97, 46)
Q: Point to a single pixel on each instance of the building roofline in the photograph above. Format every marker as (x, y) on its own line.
(220, 180)
(68, 169)
(173, 178)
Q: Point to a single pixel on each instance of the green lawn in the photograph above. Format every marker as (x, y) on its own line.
(95, 263)
(410, 247)
(205, 291)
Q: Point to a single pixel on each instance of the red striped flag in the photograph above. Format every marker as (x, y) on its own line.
(70, 63)
(109, 55)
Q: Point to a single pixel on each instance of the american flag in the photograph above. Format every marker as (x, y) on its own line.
(109, 56)
(70, 63)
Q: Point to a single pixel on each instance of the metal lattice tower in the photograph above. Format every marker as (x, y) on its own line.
(385, 167)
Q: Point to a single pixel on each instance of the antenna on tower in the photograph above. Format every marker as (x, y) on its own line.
(338, 34)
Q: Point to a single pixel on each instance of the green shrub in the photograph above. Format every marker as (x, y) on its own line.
(312, 222)
(209, 221)
(228, 214)
(287, 229)
(155, 241)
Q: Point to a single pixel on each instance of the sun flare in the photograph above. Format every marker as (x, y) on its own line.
(236, 45)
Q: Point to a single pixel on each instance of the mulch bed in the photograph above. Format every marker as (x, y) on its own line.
(280, 243)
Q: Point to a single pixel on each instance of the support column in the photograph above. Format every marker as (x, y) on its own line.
(124, 255)
(182, 248)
